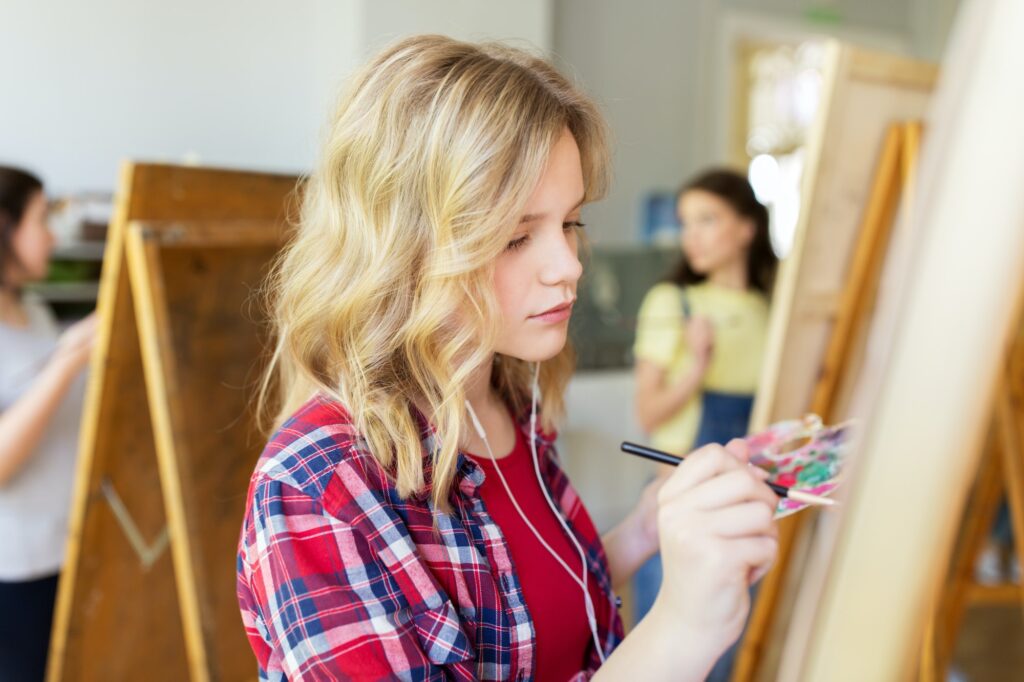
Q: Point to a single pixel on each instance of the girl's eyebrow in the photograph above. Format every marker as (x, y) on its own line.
(530, 217)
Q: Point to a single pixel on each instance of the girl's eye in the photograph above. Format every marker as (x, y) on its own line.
(517, 243)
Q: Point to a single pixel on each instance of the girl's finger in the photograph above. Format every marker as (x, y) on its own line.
(731, 488)
(739, 449)
(700, 466)
(743, 520)
(753, 553)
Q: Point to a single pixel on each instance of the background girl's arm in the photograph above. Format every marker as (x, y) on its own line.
(657, 400)
(24, 423)
(664, 334)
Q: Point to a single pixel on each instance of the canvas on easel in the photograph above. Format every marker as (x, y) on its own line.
(169, 436)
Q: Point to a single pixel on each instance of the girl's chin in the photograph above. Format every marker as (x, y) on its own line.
(699, 267)
(538, 350)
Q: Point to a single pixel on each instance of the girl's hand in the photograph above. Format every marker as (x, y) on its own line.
(75, 345)
(701, 337)
(718, 535)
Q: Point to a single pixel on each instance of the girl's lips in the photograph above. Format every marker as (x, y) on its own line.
(558, 314)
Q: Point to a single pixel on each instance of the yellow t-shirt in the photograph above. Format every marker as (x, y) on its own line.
(740, 323)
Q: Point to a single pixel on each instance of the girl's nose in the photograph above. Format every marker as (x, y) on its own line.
(562, 264)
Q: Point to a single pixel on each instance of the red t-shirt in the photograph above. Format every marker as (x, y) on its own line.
(555, 600)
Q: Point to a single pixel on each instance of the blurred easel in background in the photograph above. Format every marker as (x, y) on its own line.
(169, 438)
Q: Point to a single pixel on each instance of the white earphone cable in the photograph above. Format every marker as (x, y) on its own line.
(588, 602)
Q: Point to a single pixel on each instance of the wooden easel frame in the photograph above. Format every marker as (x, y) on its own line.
(127, 609)
(894, 170)
(145, 241)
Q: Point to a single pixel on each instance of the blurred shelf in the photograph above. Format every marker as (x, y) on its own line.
(66, 292)
(79, 251)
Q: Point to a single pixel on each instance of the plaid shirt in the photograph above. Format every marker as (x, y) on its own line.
(339, 578)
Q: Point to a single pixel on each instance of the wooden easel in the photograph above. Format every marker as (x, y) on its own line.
(168, 436)
(822, 302)
(1000, 476)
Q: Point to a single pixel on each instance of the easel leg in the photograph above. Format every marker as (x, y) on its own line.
(1008, 412)
(975, 529)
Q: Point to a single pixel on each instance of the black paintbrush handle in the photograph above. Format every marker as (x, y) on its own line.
(666, 458)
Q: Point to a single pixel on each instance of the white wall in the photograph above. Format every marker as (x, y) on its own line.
(931, 22)
(249, 83)
(241, 83)
(522, 20)
(238, 83)
(653, 66)
(599, 416)
(640, 60)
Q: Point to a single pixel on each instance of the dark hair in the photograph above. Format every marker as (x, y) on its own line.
(17, 187)
(733, 189)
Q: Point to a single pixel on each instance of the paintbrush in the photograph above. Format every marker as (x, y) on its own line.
(780, 490)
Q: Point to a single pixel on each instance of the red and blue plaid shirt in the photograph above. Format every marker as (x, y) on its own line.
(340, 578)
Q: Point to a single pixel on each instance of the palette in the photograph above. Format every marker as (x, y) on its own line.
(801, 454)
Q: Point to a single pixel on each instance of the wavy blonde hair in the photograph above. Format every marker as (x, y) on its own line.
(384, 296)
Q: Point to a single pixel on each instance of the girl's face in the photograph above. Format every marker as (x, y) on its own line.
(535, 277)
(714, 236)
(31, 243)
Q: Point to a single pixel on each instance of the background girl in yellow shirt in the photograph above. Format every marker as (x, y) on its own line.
(701, 333)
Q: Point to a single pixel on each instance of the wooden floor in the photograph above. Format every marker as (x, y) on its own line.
(991, 645)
